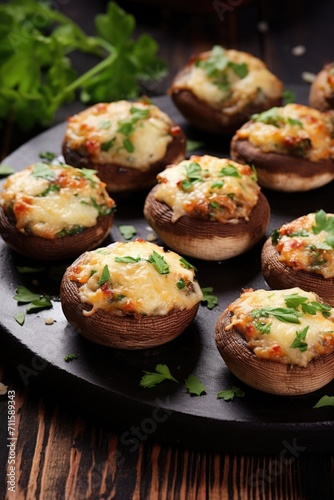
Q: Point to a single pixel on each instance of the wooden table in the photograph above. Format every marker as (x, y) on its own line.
(60, 452)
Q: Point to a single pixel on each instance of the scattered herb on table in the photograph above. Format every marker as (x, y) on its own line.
(36, 302)
(325, 401)
(20, 318)
(194, 386)
(70, 357)
(127, 231)
(150, 379)
(47, 156)
(230, 394)
(209, 298)
(29, 269)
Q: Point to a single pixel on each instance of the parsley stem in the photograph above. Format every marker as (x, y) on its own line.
(91, 72)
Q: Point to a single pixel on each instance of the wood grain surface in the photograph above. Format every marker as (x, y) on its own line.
(60, 453)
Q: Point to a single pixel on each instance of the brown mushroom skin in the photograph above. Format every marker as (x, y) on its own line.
(278, 275)
(213, 120)
(266, 375)
(206, 240)
(36, 247)
(320, 96)
(130, 332)
(123, 180)
(282, 172)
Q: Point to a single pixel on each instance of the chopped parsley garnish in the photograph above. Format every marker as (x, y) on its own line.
(288, 97)
(230, 394)
(286, 315)
(127, 127)
(308, 307)
(263, 328)
(35, 301)
(323, 223)
(158, 262)
(209, 298)
(24, 295)
(275, 236)
(43, 171)
(29, 269)
(105, 146)
(193, 145)
(181, 284)
(299, 341)
(127, 259)
(102, 209)
(186, 264)
(150, 379)
(272, 117)
(230, 171)
(193, 173)
(217, 67)
(217, 185)
(302, 233)
(105, 276)
(70, 231)
(43, 302)
(88, 174)
(194, 386)
(105, 124)
(52, 188)
(294, 122)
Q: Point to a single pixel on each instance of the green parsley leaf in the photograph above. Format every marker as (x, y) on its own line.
(230, 394)
(294, 122)
(208, 297)
(193, 174)
(29, 270)
(286, 315)
(47, 155)
(43, 302)
(88, 174)
(194, 145)
(20, 318)
(127, 231)
(325, 401)
(240, 69)
(105, 146)
(158, 262)
(52, 188)
(323, 223)
(186, 264)
(105, 124)
(230, 171)
(298, 342)
(194, 385)
(23, 295)
(263, 328)
(43, 171)
(181, 284)
(270, 117)
(294, 300)
(275, 236)
(217, 185)
(70, 357)
(127, 259)
(5, 170)
(150, 379)
(288, 97)
(105, 276)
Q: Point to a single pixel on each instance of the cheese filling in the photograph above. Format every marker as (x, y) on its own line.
(136, 278)
(230, 80)
(209, 188)
(131, 134)
(292, 129)
(307, 243)
(288, 326)
(52, 201)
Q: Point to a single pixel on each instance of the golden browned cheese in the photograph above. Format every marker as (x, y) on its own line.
(292, 129)
(288, 326)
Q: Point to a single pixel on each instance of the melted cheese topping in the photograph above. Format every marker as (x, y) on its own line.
(208, 188)
(123, 279)
(292, 129)
(303, 245)
(50, 201)
(236, 93)
(258, 315)
(131, 134)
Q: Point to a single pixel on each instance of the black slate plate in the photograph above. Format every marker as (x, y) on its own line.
(105, 382)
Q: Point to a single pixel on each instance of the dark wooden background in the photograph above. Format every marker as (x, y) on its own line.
(61, 453)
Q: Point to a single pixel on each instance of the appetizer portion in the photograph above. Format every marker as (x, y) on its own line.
(278, 341)
(291, 147)
(322, 89)
(218, 90)
(301, 253)
(53, 212)
(207, 207)
(130, 295)
(128, 143)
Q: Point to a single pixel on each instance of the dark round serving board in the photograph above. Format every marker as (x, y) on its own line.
(104, 382)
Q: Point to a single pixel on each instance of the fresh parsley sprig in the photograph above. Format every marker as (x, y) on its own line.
(150, 379)
(37, 75)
